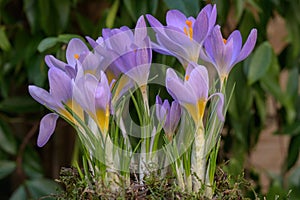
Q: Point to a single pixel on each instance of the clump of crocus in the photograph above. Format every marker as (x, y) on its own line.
(89, 91)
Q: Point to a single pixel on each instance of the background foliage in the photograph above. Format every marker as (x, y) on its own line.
(30, 29)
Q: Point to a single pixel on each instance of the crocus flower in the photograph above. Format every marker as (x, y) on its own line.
(183, 36)
(60, 92)
(192, 92)
(129, 52)
(224, 54)
(76, 50)
(168, 115)
(94, 96)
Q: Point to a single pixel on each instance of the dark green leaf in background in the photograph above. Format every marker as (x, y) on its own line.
(6, 168)
(260, 62)
(7, 140)
(22, 104)
(4, 42)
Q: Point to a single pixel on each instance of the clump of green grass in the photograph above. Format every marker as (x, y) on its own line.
(154, 187)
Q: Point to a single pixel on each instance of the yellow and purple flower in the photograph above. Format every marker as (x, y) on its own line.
(224, 54)
(192, 92)
(183, 36)
(60, 93)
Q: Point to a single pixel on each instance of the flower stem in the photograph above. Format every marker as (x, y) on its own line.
(199, 158)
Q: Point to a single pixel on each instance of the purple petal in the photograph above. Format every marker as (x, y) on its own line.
(176, 18)
(198, 82)
(140, 31)
(177, 89)
(225, 62)
(248, 46)
(174, 115)
(102, 94)
(75, 48)
(47, 127)
(237, 44)
(201, 27)
(153, 21)
(51, 61)
(91, 41)
(43, 97)
(220, 105)
(60, 85)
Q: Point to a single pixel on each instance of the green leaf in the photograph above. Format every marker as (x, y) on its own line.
(290, 129)
(62, 8)
(239, 6)
(4, 42)
(112, 14)
(260, 62)
(47, 43)
(6, 168)
(19, 104)
(19, 194)
(153, 6)
(130, 6)
(42, 187)
(65, 38)
(37, 70)
(7, 141)
(293, 152)
(32, 14)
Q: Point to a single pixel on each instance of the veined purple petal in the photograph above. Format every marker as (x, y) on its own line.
(43, 97)
(176, 18)
(70, 71)
(47, 127)
(84, 92)
(201, 27)
(75, 48)
(198, 82)
(91, 41)
(91, 63)
(60, 85)
(248, 46)
(220, 105)
(225, 61)
(174, 116)
(177, 89)
(51, 61)
(161, 110)
(211, 12)
(102, 94)
(153, 21)
(140, 31)
(236, 37)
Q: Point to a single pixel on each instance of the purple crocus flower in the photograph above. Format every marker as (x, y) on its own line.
(224, 54)
(94, 96)
(76, 50)
(60, 91)
(183, 36)
(192, 93)
(168, 115)
(129, 53)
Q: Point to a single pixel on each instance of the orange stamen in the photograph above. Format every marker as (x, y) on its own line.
(225, 41)
(189, 23)
(76, 56)
(187, 77)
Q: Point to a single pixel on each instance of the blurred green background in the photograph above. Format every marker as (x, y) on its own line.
(265, 103)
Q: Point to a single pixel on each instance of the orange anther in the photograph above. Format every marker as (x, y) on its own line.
(225, 41)
(76, 56)
(188, 23)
